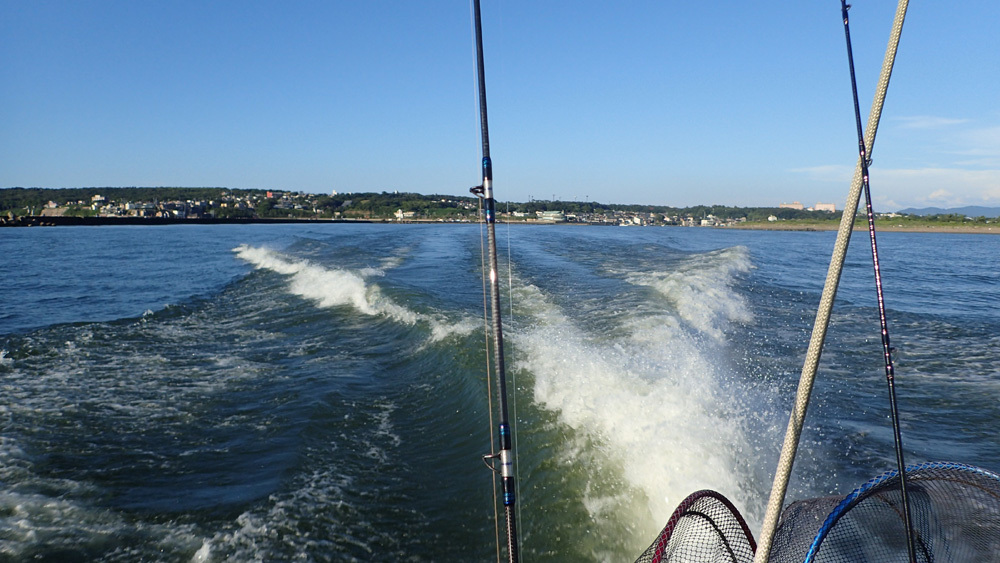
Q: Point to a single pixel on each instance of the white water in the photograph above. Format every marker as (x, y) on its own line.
(652, 395)
(143, 439)
(333, 287)
(700, 289)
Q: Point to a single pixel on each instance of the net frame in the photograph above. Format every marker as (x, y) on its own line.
(985, 481)
(728, 530)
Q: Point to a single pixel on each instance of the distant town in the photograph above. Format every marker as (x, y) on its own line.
(115, 205)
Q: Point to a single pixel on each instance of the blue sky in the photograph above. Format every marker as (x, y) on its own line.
(667, 103)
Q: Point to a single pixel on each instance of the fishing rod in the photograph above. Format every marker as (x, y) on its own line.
(810, 365)
(485, 191)
(886, 348)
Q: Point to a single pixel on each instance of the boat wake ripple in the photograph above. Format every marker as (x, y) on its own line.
(650, 396)
(331, 287)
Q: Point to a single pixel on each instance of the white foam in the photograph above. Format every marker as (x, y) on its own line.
(385, 427)
(700, 289)
(203, 554)
(648, 395)
(59, 521)
(337, 287)
(441, 329)
(272, 531)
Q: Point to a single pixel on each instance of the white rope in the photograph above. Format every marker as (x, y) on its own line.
(795, 421)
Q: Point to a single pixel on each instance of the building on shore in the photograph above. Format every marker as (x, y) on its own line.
(550, 216)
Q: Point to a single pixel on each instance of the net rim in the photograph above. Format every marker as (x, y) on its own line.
(682, 510)
(859, 493)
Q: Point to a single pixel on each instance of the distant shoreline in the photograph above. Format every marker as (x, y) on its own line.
(968, 230)
(63, 221)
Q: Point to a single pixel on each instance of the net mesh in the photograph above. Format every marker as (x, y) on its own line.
(706, 527)
(955, 510)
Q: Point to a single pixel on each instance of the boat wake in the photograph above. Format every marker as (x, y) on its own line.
(647, 404)
(700, 289)
(331, 287)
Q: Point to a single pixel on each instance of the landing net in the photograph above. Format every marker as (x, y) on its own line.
(705, 527)
(955, 510)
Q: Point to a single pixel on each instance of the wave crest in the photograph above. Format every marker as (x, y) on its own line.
(336, 287)
(700, 287)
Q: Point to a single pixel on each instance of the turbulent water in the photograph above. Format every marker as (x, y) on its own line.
(319, 392)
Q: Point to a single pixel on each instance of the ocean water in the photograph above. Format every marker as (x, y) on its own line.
(319, 392)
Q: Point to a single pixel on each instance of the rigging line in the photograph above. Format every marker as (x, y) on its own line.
(513, 379)
(489, 377)
(811, 363)
(886, 348)
(510, 269)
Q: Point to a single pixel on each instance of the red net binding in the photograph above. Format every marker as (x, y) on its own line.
(705, 528)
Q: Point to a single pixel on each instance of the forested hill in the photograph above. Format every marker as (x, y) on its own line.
(969, 211)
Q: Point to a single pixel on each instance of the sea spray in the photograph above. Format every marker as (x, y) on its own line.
(700, 303)
(648, 395)
(700, 289)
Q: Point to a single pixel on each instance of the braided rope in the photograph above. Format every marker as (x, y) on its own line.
(811, 364)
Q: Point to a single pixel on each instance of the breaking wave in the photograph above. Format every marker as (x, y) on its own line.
(651, 395)
(337, 288)
(700, 287)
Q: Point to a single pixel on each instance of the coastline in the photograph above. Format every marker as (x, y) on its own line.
(57, 221)
(967, 230)
(64, 221)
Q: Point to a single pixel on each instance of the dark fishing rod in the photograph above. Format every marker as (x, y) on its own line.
(485, 191)
(886, 348)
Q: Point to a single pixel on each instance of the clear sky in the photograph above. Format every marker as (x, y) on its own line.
(658, 102)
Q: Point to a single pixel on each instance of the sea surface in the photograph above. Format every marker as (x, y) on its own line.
(319, 392)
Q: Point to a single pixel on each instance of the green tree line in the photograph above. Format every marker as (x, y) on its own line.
(373, 205)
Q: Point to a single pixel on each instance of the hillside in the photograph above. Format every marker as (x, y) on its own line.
(968, 211)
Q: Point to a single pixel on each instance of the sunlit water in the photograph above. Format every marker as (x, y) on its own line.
(318, 392)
